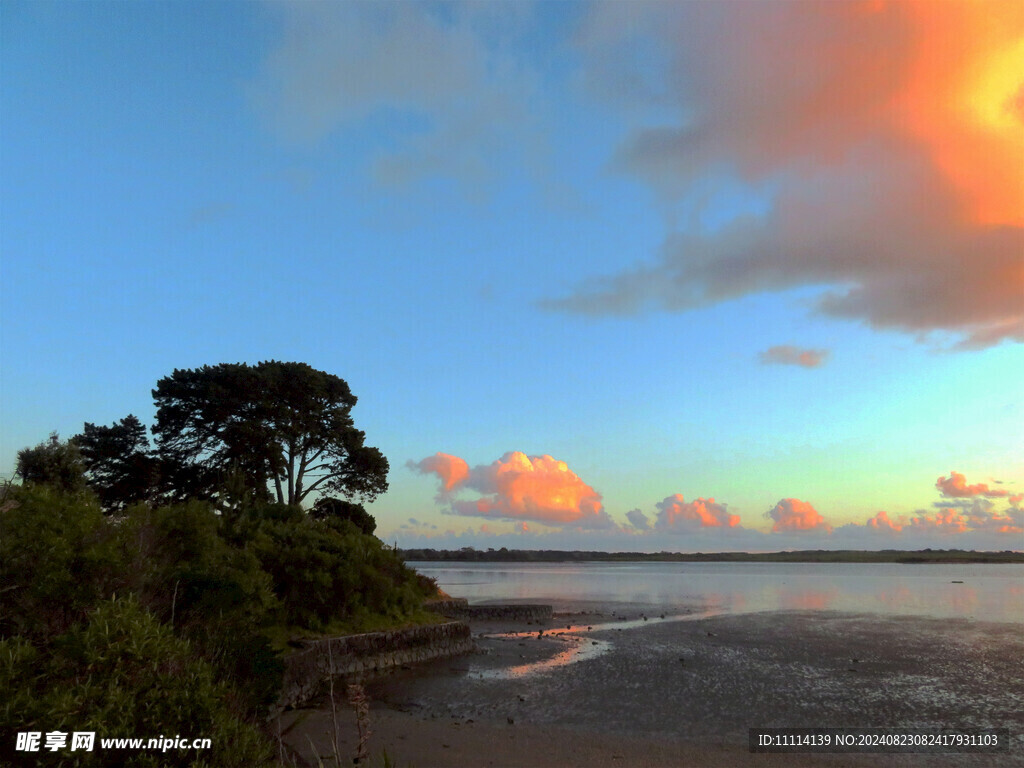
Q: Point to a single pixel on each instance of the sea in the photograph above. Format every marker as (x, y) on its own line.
(979, 592)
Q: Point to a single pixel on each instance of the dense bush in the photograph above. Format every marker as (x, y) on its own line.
(216, 595)
(156, 621)
(123, 674)
(53, 463)
(57, 560)
(186, 572)
(328, 570)
(329, 507)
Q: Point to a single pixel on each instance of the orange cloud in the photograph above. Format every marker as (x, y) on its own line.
(786, 354)
(793, 515)
(944, 521)
(676, 514)
(1010, 520)
(955, 486)
(963, 98)
(881, 522)
(886, 136)
(451, 469)
(518, 487)
(976, 515)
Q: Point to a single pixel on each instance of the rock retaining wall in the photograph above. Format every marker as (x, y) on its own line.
(459, 608)
(306, 670)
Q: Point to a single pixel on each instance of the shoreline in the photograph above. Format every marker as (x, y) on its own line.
(665, 693)
(899, 556)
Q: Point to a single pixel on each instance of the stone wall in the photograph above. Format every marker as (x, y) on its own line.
(459, 608)
(306, 670)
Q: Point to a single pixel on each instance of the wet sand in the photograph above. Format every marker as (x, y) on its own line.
(588, 689)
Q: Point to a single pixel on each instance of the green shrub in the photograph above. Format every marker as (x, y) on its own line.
(57, 559)
(186, 573)
(328, 570)
(54, 464)
(124, 674)
(214, 594)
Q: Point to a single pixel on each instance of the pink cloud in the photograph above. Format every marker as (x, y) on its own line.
(790, 355)
(976, 516)
(518, 487)
(944, 521)
(886, 136)
(793, 515)
(676, 514)
(955, 486)
(1011, 520)
(451, 469)
(881, 522)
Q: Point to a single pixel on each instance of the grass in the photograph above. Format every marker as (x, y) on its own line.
(284, 638)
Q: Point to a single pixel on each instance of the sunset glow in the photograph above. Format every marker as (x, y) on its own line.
(520, 487)
(621, 276)
(955, 486)
(965, 101)
(796, 515)
(676, 513)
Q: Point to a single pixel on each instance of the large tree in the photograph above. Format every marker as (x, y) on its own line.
(120, 468)
(282, 425)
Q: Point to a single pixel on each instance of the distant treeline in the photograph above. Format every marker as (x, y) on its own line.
(469, 554)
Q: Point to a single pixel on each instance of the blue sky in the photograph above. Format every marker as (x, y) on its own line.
(550, 229)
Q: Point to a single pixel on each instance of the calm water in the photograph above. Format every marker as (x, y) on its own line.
(987, 592)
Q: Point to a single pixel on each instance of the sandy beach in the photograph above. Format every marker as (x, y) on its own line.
(595, 689)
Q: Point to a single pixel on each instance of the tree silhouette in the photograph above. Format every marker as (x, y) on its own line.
(328, 508)
(285, 426)
(120, 468)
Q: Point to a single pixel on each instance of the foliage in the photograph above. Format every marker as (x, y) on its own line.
(141, 681)
(285, 424)
(157, 618)
(185, 571)
(57, 559)
(52, 463)
(339, 509)
(328, 569)
(119, 465)
(188, 575)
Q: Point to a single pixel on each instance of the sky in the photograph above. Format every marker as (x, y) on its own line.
(687, 276)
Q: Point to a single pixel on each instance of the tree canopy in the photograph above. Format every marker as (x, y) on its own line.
(54, 463)
(120, 468)
(282, 425)
(327, 508)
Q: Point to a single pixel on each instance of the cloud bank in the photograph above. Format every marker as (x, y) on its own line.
(518, 490)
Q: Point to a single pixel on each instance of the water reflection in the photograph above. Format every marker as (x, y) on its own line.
(578, 645)
(985, 592)
(806, 600)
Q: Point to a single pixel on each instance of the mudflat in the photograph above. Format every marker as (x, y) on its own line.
(595, 689)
